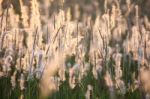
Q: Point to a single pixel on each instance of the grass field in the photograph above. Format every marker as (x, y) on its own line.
(74, 49)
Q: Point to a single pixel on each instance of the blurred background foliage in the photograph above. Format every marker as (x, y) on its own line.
(91, 7)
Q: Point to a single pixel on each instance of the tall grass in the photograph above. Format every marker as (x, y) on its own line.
(70, 49)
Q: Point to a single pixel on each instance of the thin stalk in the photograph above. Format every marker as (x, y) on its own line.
(56, 34)
(32, 57)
